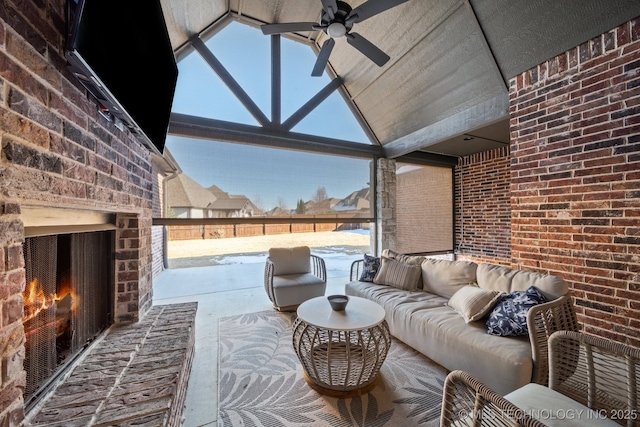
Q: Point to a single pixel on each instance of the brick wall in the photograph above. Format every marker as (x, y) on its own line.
(482, 207)
(57, 152)
(575, 177)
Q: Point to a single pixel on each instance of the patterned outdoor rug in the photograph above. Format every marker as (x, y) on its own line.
(261, 382)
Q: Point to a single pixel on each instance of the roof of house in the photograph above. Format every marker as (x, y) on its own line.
(216, 191)
(184, 192)
(231, 204)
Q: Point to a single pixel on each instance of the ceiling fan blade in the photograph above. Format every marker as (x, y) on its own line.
(292, 27)
(331, 7)
(372, 7)
(367, 48)
(323, 57)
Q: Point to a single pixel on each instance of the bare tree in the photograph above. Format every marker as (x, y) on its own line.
(257, 201)
(282, 203)
(320, 195)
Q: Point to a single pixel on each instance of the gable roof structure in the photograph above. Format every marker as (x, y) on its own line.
(231, 204)
(443, 94)
(184, 192)
(216, 191)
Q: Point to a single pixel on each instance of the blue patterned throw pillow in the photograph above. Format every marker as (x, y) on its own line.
(371, 266)
(509, 316)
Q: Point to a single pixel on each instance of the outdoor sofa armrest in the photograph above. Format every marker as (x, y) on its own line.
(466, 401)
(542, 321)
(356, 269)
(318, 267)
(269, 268)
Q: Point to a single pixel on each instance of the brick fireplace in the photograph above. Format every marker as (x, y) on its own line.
(67, 302)
(63, 168)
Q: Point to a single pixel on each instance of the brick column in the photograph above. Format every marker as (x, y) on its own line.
(12, 339)
(386, 204)
(133, 268)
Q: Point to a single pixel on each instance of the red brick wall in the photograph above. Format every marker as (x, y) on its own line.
(482, 207)
(57, 152)
(575, 177)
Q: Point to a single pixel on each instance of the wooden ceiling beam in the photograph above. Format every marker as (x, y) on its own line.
(218, 130)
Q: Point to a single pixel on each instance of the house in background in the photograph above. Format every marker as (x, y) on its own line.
(356, 201)
(188, 199)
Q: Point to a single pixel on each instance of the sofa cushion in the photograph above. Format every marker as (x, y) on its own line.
(555, 409)
(473, 303)
(503, 363)
(370, 267)
(509, 316)
(395, 300)
(507, 280)
(444, 277)
(398, 274)
(290, 260)
(409, 259)
(293, 289)
(422, 320)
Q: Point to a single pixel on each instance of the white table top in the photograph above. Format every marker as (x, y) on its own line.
(359, 314)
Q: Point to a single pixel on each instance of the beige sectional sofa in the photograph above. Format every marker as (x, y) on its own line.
(421, 315)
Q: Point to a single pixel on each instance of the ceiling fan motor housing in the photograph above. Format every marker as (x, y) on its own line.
(337, 27)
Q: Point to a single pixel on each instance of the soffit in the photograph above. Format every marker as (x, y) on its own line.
(450, 59)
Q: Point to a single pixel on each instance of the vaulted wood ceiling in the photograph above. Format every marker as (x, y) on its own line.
(445, 89)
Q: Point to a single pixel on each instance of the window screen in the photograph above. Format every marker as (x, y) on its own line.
(424, 208)
(226, 180)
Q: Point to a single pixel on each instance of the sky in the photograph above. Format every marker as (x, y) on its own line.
(267, 175)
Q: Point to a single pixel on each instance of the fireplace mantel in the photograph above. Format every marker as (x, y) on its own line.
(41, 221)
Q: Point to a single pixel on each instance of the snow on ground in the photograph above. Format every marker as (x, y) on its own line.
(340, 247)
(201, 273)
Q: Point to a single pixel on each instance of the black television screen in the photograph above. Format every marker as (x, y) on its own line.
(121, 52)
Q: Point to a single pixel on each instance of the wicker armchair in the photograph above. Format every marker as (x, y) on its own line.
(468, 402)
(292, 276)
(600, 374)
(585, 372)
(542, 321)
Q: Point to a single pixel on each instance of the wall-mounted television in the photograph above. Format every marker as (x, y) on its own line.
(121, 52)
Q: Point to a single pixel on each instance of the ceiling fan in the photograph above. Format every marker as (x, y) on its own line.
(336, 21)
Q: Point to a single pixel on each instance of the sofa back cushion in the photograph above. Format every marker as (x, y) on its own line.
(444, 277)
(507, 280)
(290, 260)
(407, 259)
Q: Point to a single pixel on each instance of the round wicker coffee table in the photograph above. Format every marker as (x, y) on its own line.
(341, 351)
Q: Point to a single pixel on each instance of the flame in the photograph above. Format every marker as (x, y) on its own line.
(35, 300)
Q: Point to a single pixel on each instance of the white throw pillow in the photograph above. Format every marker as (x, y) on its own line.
(473, 303)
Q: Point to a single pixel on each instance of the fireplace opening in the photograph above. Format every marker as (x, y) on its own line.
(67, 302)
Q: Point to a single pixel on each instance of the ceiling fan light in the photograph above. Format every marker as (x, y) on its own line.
(336, 30)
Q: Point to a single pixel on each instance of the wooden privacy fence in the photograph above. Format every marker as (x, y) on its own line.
(221, 231)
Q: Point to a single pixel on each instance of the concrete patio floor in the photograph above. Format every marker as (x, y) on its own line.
(221, 291)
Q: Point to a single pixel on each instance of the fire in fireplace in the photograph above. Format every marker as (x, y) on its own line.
(67, 302)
